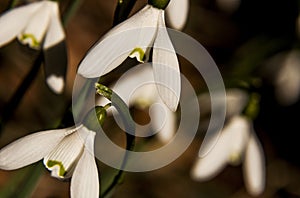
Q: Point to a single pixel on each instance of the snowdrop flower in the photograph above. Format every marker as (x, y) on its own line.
(66, 152)
(137, 88)
(237, 142)
(38, 26)
(287, 80)
(177, 13)
(134, 38)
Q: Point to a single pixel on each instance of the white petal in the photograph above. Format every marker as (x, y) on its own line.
(55, 33)
(211, 164)
(254, 167)
(236, 101)
(164, 122)
(35, 31)
(135, 84)
(166, 67)
(14, 21)
(136, 32)
(61, 160)
(238, 130)
(29, 149)
(227, 149)
(56, 83)
(85, 182)
(177, 13)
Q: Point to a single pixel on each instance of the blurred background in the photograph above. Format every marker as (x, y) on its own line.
(248, 39)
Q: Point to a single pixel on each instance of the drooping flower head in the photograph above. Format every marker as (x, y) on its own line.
(134, 38)
(137, 89)
(65, 152)
(236, 144)
(38, 25)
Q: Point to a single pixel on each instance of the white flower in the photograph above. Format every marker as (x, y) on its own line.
(133, 38)
(287, 80)
(237, 142)
(137, 88)
(177, 13)
(66, 152)
(38, 25)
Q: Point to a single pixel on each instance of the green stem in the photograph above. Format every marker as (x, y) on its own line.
(12, 4)
(22, 182)
(71, 10)
(128, 122)
(20, 92)
(123, 10)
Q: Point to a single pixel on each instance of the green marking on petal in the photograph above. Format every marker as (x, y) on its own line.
(138, 53)
(34, 42)
(52, 163)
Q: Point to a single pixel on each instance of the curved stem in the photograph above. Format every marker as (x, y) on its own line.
(129, 124)
(122, 11)
(13, 103)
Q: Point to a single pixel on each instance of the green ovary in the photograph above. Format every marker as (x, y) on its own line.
(62, 170)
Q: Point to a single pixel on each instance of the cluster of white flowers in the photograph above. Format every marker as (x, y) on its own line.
(70, 152)
(237, 142)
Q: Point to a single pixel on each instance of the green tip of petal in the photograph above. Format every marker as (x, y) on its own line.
(138, 53)
(30, 39)
(52, 163)
(160, 4)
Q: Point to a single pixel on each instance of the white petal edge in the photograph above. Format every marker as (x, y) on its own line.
(212, 163)
(85, 181)
(55, 33)
(177, 13)
(254, 167)
(30, 149)
(118, 43)
(166, 67)
(14, 21)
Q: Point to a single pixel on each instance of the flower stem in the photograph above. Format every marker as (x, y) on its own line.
(71, 10)
(13, 103)
(12, 4)
(129, 124)
(122, 11)
(23, 182)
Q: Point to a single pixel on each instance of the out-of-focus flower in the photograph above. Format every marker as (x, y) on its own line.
(137, 89)
(236, 143)
(287, 80)
(283, 71)
(177, 13)
(134, 38)
(38, 25)
(66, 152)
